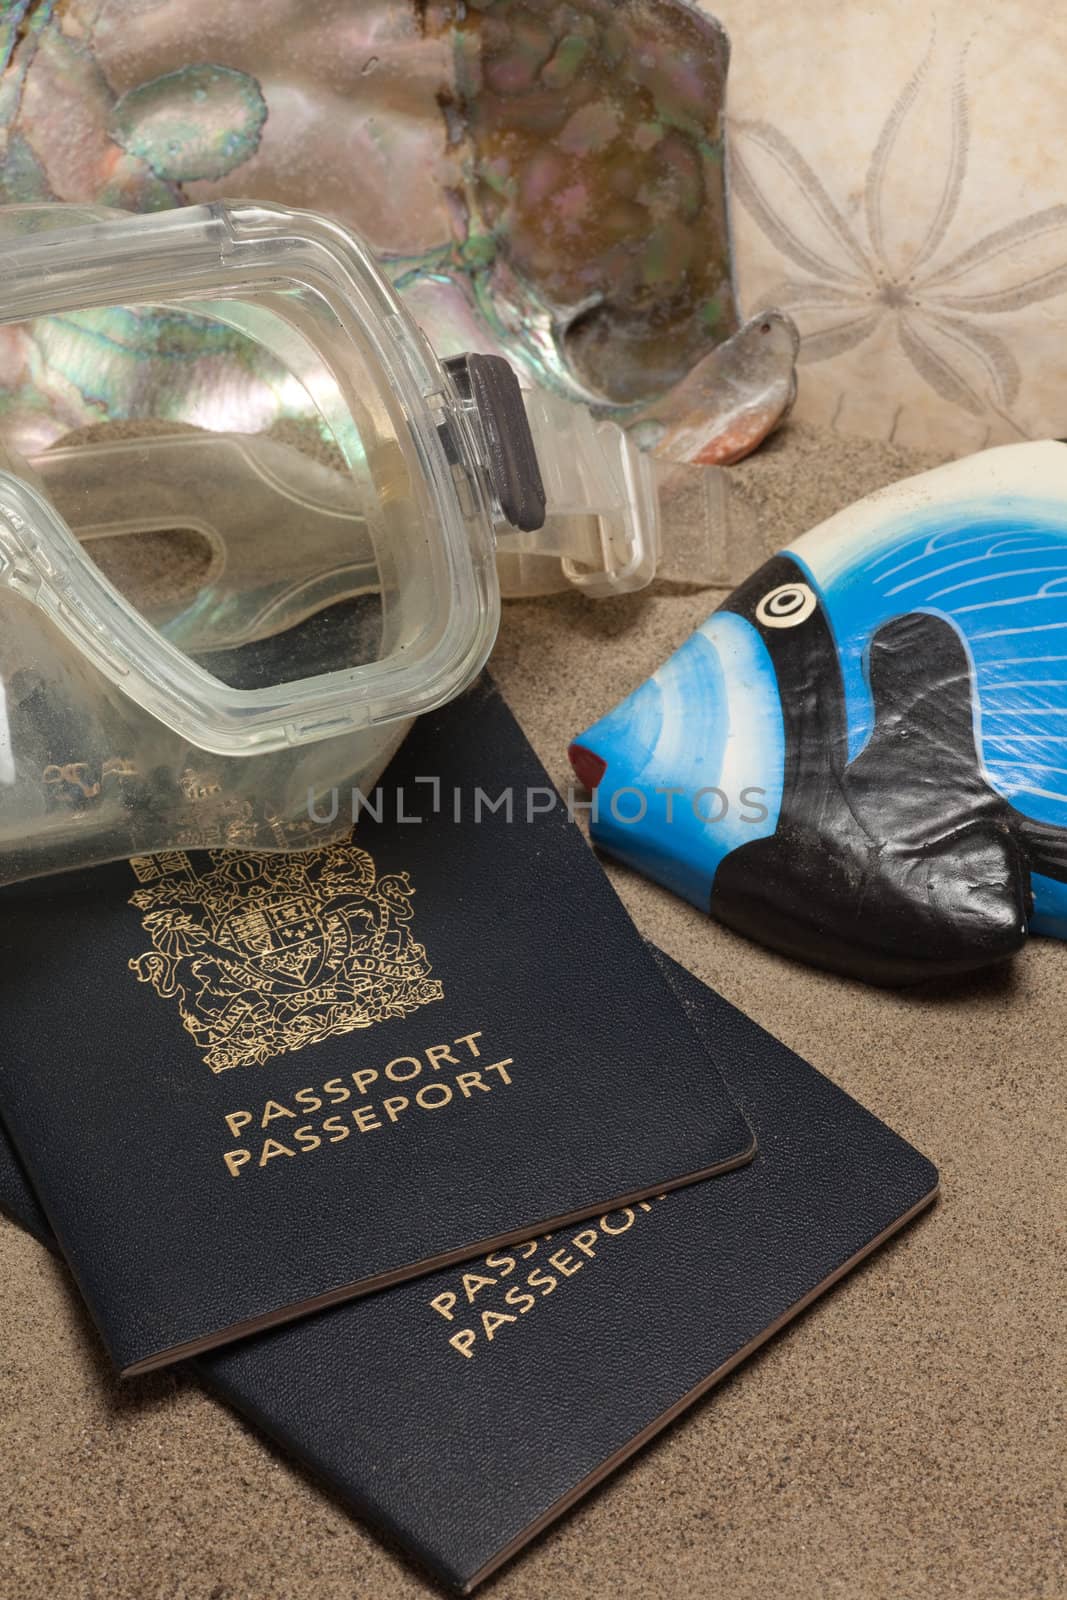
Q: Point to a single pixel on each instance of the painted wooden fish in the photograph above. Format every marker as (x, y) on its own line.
(860, 759)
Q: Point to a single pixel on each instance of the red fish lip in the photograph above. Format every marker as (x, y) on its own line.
(589, 768)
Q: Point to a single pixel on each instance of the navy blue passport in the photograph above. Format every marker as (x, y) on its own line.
(247, 1087)
(529, 1375)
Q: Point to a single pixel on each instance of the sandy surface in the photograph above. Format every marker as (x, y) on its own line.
(903, 1440)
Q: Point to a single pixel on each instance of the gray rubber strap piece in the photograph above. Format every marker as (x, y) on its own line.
(510, 455)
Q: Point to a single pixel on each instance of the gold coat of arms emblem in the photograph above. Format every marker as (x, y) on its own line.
(269, 953)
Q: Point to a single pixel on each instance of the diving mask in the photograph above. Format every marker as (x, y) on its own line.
(233, 595)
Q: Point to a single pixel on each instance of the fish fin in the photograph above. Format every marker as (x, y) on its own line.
(1045, 846)
(922, 755)
(907, 865)
(840, 901)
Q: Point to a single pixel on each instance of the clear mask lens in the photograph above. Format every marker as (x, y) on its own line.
(231, 496)
(274, 492)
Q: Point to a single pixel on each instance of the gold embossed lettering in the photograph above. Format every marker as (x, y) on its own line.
(236, 1159)
(468, 1039)
(403, 1077)
(436, 1053)
(273, 1110)
(565, 1263)
(272, 1148)
(474, 1283)
(365, 1119)
(442, 1089)
(582, 1248)
(236, 1120)
(492, 1320)
(394, 1104)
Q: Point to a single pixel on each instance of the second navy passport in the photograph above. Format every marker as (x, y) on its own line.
(250, 1087)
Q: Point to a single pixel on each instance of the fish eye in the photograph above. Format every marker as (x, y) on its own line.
(786, 606)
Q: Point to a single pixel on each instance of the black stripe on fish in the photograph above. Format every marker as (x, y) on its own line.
(904, 864)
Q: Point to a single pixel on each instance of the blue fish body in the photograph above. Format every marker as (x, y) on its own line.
(861, 757)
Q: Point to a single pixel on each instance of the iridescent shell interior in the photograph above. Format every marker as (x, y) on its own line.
(543, 177)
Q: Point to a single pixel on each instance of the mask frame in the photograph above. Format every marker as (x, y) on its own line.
(316, 276)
